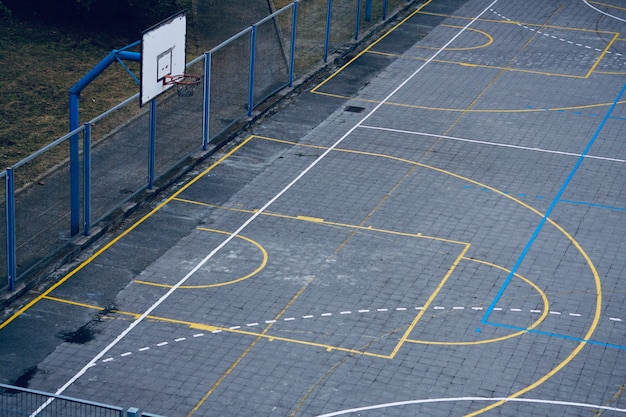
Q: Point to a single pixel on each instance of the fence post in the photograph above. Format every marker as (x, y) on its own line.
(74, 167)
(87, 180)
(133, 412)
(329, 13)
(251, 74)
(357, 24)
(292, 57)
(206, 102)
(368, 10)
(152, 144)
(10, 218)
(385, 9)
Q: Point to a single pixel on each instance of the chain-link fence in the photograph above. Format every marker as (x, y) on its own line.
(128, 150)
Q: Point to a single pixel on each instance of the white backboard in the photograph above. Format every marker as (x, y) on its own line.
(162, 53)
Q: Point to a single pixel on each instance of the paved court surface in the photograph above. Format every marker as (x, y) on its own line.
(436, 229)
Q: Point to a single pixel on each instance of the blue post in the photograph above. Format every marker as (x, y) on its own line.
(10, 217)
(74, 165)
(152, 146)
(385, 9)
(113, 56)
(329, 13)
(206, 103)
(357, 25)
(251, 75)
(368, 10)
(292, 58)
(87, 180)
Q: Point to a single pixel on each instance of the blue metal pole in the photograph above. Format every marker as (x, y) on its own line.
(292, 58)
(87, 180)
(152, 146)
(357, 25)
(206, 103)
(385, 9)
(10, 218)
(251, 74)
(74, 165)
(74, 186)
(368, 10)
(329, 13)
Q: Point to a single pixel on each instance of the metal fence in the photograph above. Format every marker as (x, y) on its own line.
(19, 402)
(128, 150)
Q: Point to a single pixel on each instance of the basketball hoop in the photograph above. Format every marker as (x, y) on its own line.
(185, 83)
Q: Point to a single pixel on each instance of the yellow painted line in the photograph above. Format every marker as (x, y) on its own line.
(612, 6)
(472, 65)
(246, 351)
(430, 300)
(466, 48)
(262, 266)
(540, 319)
(513, 22)
(604, 52)
(310, 219)
(314, 89)
(123, 234)
(74, 303)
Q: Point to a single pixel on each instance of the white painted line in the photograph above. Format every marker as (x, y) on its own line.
(198, 335)
(482, 142)
(604, 13)
(364, 311)
(307, 317)
(253, 324)
(270, 321)
(162, 344)
(345, 312)
(254, 216)
(107, 360)
(289, 318)
(614, 319)
(126, 354)
(574, 314)
(180, 339)
(326, 314)
(143, 349)
(382, 309)
(466, 399)
(557, 313)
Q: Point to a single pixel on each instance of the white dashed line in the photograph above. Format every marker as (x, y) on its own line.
(616, 54)
(365, 311)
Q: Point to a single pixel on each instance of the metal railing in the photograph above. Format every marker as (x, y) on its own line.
(19, 402)
(47, 207)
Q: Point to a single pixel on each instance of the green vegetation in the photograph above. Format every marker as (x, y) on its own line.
(41, 58)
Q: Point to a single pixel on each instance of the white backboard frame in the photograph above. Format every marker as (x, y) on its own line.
(162, 53)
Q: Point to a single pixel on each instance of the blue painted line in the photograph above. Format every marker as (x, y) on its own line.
(559, 336)
(531, 241)
(583, 203)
